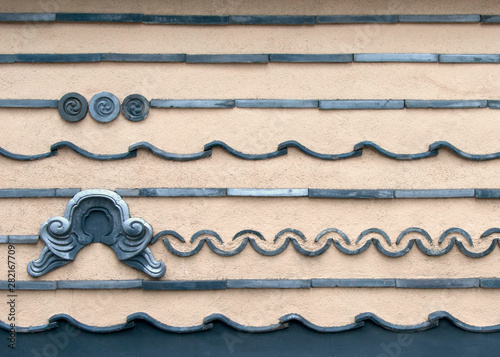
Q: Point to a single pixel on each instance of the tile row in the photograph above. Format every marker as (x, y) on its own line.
(244, 19)
(282, 150)
(261, 192)
(285, 322)
(460, 283)
(105, 107)
(266, 103)
(248, 58)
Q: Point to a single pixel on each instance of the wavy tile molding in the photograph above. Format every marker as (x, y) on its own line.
(282, 150)
(292, 335)
(331, 236)
(432, 322)
(96, 216)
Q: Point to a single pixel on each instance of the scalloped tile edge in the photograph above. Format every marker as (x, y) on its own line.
(331, 241)
(282, 150)
(359, 321)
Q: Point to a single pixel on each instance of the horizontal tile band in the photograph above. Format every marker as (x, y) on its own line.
(260, 192)
(244, 19)
(261, 58)
(282, 150)
(173, 285)
(333, 237)
(284, 323)
(330, 237)
(339, 104)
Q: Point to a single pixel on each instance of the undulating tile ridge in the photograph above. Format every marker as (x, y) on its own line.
(359, 321)
(281, 150)
(332, 237)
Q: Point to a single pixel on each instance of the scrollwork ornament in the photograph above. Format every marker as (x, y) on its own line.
(104, 107)
(135, 107)
(73, 107)
(96, 216)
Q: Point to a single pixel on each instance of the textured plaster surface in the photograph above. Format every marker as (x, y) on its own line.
(325, 38)
(255, 131)
(260, 7)
(259, 307)
(254, 81)
(258, 131)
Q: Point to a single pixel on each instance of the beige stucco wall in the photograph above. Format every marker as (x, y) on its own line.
(258, 131)
(260, 7)
(324, 307)
(324, 38)
(275, 80)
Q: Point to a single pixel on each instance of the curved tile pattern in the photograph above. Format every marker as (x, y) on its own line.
(359, 321)
(329, 237)
(282, 150)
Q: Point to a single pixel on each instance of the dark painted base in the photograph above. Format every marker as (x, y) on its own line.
(222, 340)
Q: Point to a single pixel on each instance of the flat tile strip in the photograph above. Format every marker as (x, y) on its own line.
(185, 20)
(446, 104)
(327, 193)
(469, 58)
(93, 17)
(143, 57)
(192, 103)
(396, 57)
(23, 239)
(182, 192)
(361, 104)
(311, 58)
(249, 58)
(437, 283)
(228, 58)
(439, 18)
(261, 192)
(99, 284)
(35, 192)
(181, 285)
(57, 57)
(276, 103)
(27, 17)
(245, 19)
(357, 19)
(434, 193)
(28, 103)
(272, 20)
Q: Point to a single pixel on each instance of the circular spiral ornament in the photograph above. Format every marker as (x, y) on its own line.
(73, 107)
(135, 107)
(104, 107)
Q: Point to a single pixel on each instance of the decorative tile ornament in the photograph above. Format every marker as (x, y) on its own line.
(73, 107)
(104, 107)
(135, 107)
(96, 216)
